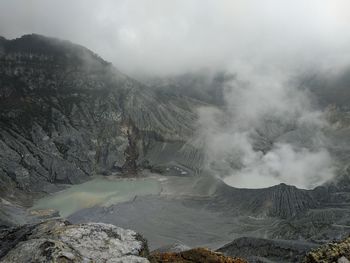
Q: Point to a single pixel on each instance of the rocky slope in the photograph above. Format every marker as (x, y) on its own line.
(264, 250)
(283, 201)
(66, 114)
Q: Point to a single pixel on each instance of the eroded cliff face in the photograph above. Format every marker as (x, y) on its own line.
(66, 114)
(282, 201)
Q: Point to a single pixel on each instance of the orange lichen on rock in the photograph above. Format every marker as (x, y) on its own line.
(197, 255)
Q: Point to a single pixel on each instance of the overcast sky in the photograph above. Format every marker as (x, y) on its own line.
(169, 37)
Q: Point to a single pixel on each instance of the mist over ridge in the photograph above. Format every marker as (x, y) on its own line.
(156, 37)
(266, 48)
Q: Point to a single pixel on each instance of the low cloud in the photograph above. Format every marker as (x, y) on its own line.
(162, 37)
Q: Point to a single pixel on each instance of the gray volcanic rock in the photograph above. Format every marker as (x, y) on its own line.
(332, 252)
(282, 200)
(265, 250)
(60, 241)
(66, 114)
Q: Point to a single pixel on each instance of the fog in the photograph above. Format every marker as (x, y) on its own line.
(171, 37)
(269, 129)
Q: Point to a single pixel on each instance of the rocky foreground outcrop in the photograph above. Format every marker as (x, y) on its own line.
(337, 252)
(60, 241)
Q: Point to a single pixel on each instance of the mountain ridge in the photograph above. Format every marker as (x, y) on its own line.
(67, 114)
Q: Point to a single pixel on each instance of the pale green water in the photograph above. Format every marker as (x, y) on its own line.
(99, 191)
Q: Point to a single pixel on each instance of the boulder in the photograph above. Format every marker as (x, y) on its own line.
(60, 241)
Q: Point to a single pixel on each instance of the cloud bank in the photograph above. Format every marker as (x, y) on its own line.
(171, 37)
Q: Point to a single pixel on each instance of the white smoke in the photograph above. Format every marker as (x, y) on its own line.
(268, 133)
